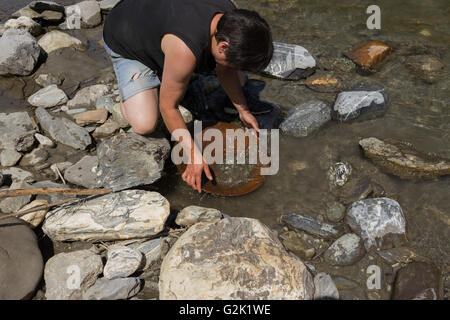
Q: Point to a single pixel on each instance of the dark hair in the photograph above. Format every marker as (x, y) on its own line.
(249, 38)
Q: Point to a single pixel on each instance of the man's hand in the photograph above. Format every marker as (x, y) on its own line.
(193, 175)
(249, 120)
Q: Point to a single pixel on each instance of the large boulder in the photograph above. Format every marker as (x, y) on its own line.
(128, 160)
(21, 264)
(68, 275)
(234, 258)
(306, 118)
(403, 160)
(19, 52)
(117, 216)
(63, 130)
(379, 222)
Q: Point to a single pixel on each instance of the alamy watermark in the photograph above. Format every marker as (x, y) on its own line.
(374, 20)
(235, 147)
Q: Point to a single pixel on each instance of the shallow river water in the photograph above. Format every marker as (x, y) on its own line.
(417, 113)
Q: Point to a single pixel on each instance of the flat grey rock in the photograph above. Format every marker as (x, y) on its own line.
(116, 289)
(121, 262)
(123, 215)
(306, 118)
(68, 275)
(12, 126)
(63, 130)
(14, 204)
(19, 52)
(21, 263)
(291, 62)
(345, 251)
(128, 160)
(325, 289)
(360, 99)
(379, 222)
(84, 172)
(312, 226)
(9, 158)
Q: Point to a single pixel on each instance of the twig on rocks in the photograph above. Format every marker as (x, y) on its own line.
(27, 192)
(60, 175)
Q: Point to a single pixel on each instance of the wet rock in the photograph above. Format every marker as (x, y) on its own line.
(300, 247)
(398, 255)
(45, 80)
(255, 266)
(116, 289)
(194, 214)
(426, 67)
(48, 97)
(106, 130)
(87, 97)
(118, 116)
(403, 160)
(378, 221)
(360, 188)
(83, 173)
(63, 130)
(62, 269)
(311, 226)
(21, 261)
(88, 13)
(151, 251)
(306, 118)
(129, 160)
(345, 251)
(117, 216)
(25, 142)
(339, 173)
(121, 262)
(107, 5)
(325, 289)
(24, 23)
(34, 218)
(359, 100)
(324, 83)
(56, 39)
(91, 117)
(290, 62)
(9, 158)
(369, 56)
(19, 53)
(44, 141)
(335, 212)
(344, 284)
(417, 281)
(13, 204)
(34, 158)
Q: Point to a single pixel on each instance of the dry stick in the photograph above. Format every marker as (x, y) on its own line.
(39, 208)
(27, 192)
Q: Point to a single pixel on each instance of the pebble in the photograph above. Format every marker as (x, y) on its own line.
(56, 39)
(24, 23)
(91, 117)
(194, 214)
(34, 158)
(339, 173)
(335, 212)
(369, 55)
(34, 218)
(106, 130)
(311, 226)
(45, 79)
(44, 141)
(345, 251)
(87, 97)
(9, 158)
(48, 97)
(83, 173)
(121, 262)
(325, 289)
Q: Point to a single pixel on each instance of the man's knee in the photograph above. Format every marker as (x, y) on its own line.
(144, 127)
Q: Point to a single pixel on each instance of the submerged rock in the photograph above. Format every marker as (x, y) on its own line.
(358, 100)
(335, 212)
(56, 39)
(85, 14)
(87, 97)
(417, 281)
(290, 62)
(121, 262)
(117, 216)
(378, 221)
(306, 118)
(19, 53)
(339, 173)
(21, 262)
(48, 97)
(370, 55)
(84, 172)
(324, 83)
(116, 289)
(426, 67)
(129, 160)
(194, 214)
(299, 246)
(24, 23)
(345, 251)
(68, 275)
(312, 226)
(234, 258)
(403, 160)
(325, 289)
(63, 130)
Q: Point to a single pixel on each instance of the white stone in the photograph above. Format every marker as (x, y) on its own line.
(43, 140)
(121, 262)
(48, 97)
(57, 39)
(24, 23)
(193, 214)
(325, 289)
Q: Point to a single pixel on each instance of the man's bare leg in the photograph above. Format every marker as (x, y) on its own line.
(142, 111)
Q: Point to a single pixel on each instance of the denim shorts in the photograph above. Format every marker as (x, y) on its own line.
(125, 69)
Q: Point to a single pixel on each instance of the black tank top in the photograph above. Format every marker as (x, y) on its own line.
(134, 29)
